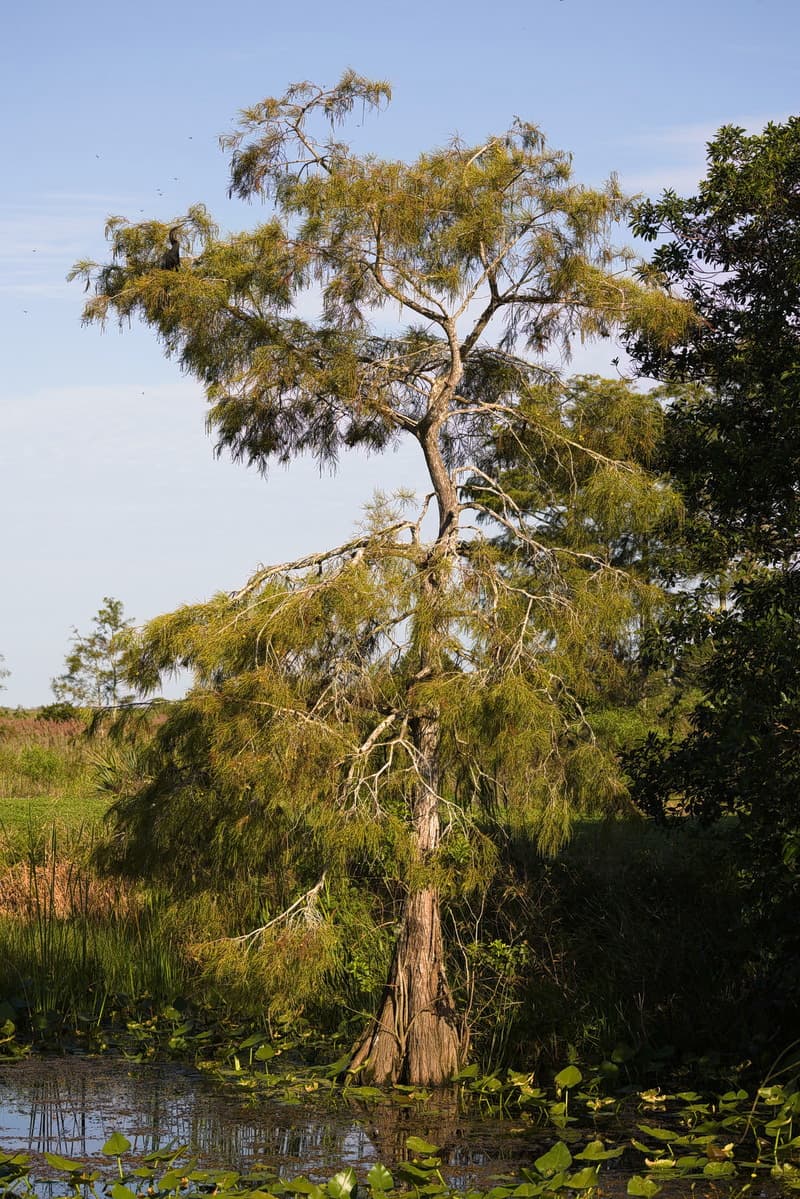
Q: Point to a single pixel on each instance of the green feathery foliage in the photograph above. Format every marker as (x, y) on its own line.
(384, 708)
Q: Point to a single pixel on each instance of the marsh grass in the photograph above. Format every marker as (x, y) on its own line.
(75, 947)
(50, 877)
(43, 758)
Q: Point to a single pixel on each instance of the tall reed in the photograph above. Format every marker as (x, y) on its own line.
(75, 947)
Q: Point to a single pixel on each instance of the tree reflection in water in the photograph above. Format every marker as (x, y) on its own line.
(70, 1106)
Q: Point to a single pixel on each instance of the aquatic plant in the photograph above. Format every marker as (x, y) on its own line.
(590, 1145)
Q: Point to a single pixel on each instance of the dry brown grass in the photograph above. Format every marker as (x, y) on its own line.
(27, 730)
(63, 887)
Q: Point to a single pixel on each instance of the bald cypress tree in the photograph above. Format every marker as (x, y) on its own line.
(389, 691)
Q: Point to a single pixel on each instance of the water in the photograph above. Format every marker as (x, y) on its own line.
(70, 1106)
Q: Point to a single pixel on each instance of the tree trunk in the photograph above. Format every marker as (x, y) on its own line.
(415, 1036)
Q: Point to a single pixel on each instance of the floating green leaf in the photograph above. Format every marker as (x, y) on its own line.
(115, 1145)
(467, 1072)
(64, 1163)
(257, 1038)
(596, 1151)
(570, 1076)
(585, 1178)
(558, 1157)
(120, 1191)
(342, 1184)
(691, 1161)
(170, 1181)
(304, 1186)
(338, 1067)
(165, 1155)
(417, 1145)
(645, 1188)
(719, 1169)
(380, 1179)
(660, 1134)
(409, 1170)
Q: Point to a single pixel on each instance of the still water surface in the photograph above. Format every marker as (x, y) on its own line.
(70, 1106)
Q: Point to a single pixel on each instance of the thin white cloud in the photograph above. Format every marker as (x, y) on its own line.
(682, 150)
(40, 241)
(694, 134)
(683, 180)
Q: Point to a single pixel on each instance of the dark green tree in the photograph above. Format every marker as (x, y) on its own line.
(732, 437)
(732, 443)
(93, 678)
(369, 702)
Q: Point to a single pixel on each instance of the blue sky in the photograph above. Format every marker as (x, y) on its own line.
(108, 482)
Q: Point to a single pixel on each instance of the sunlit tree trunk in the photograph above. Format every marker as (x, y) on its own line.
(415, 1037)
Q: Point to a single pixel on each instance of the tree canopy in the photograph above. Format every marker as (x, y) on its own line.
(733, 249)
(393, 702)
(731, 443)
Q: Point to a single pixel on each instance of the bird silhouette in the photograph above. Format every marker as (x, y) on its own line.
(171, 258)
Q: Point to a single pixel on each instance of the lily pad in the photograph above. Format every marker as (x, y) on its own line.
(644, 1188)
(342, 1184)
(63, 1163)
(115, 1145)
(418, 1145)
(380, 1179)
(596, 1151)
(570, 1076)
(583, 1180)
(557, 1158)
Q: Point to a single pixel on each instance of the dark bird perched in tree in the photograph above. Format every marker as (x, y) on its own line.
(171, 258)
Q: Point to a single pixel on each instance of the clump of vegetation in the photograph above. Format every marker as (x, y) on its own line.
(634, 941)
(93, 676)
(731, 444)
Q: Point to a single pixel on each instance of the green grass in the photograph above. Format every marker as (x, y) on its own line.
(45, 777)
(18, 815)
